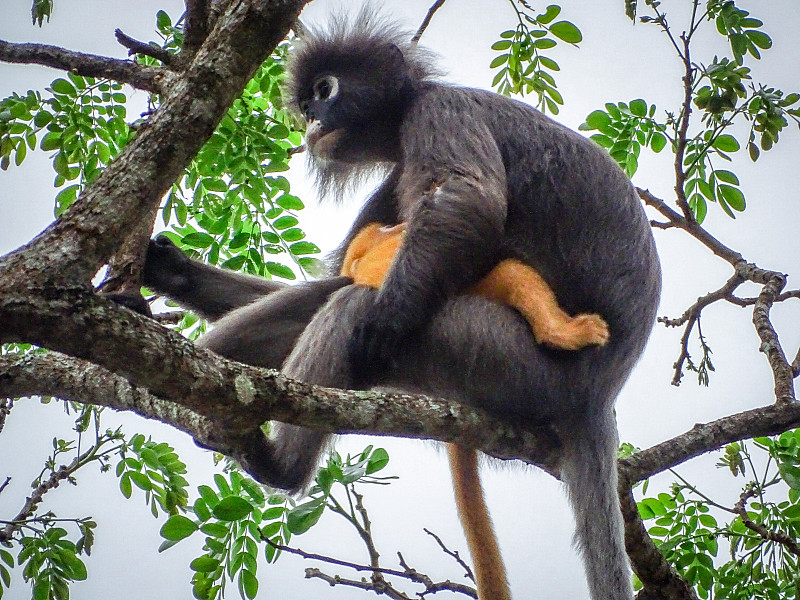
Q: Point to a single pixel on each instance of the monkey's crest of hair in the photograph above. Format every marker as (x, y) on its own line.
(357, 44)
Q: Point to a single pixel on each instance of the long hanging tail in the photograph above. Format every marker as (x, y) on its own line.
(490, 573)
(590, 473)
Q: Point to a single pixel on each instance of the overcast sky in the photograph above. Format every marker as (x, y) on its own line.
(616, 62)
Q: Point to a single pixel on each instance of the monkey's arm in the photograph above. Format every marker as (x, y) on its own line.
(456, 218)
(209, 291)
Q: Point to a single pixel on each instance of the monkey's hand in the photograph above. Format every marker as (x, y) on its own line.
(166, 268)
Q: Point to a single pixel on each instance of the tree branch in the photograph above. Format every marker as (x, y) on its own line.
(195, 28)
(139, 76)
(427, 21)
(222, 404)
(659, 578)
(702, 438)
(137, 47)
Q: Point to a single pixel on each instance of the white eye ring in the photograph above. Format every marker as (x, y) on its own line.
(326, 88)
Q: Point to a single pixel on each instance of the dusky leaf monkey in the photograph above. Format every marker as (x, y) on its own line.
(367, 260)
(478, 178)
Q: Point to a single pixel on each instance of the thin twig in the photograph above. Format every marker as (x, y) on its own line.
(427, 21)
(333, 561)
(142, 77)
(772, 536)
(137, 47)
(452, 553)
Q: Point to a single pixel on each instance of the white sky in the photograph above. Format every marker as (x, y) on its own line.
(616, 62)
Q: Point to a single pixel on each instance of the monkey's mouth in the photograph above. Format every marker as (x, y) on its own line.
(322, 142)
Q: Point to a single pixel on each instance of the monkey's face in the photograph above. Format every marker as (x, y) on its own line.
(352, 97)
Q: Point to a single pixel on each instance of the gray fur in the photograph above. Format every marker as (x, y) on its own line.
(478, 178)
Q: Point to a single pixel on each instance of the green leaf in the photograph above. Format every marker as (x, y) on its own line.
(141, 480)
(177, 528)
(726, 143)
(378, 460)
(304, 517)
(232, 508)
(760, 39)
(125, 485)
(62, 86)
(498, 60)
(198, 240)
(726, 176)
(300, 248)
(549, 14)
(279, 270)
(638, 107)
(566, 31)
(290, 202)
(204, 564)
(658, 142)
(162, 20)
(284, 222)
(501, 45)
(248, 583)
(733, 196)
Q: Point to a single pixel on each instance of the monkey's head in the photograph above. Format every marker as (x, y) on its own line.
(352, 84)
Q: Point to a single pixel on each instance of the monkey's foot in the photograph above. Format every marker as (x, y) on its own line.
(574, 333)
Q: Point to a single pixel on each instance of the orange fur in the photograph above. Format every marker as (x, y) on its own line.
(490, 572)
(369, 257)
(367, 260)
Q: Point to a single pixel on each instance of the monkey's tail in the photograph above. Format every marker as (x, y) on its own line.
(590, 473)
(490, 573)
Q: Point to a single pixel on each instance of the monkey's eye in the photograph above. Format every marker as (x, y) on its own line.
(326, 88)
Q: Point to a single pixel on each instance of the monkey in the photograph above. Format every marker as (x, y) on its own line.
(367, 260)
(370, 254)
(478, 178)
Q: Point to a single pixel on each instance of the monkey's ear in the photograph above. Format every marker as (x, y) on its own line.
(396, 61)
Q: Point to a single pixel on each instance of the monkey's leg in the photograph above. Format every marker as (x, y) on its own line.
(263, 334)
(490, 572)
(209, 291)
(519, 285)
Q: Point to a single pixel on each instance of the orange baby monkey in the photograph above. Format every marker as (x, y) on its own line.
(367, 260)
(511, 282)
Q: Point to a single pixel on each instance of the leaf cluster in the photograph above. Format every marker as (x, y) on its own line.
(624, 128)
(82, 122)
(523, 67)
(230, 207)
(51, 563)
(239, 515)
(155, 469)
(762, 566)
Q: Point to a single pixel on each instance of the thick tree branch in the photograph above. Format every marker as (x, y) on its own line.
(237, 398)
(195, 28)
(659, 578)
(89, 65)
(76, 246)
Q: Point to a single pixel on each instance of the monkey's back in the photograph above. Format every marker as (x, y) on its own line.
(574, 216)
